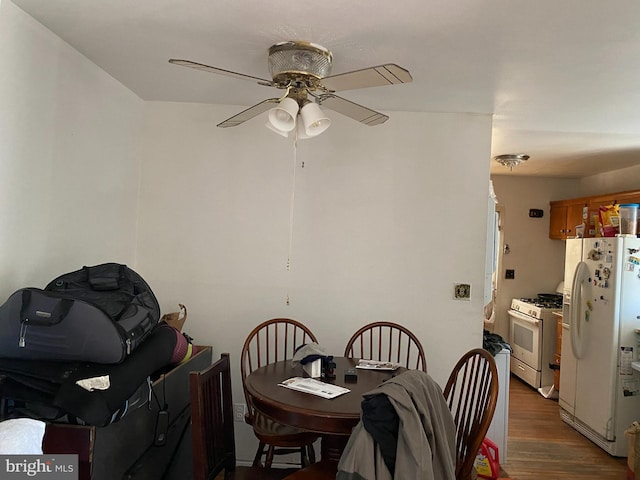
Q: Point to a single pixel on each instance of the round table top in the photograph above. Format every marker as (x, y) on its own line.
(307, 411)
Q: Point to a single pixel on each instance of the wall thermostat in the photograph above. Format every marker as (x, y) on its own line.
(536, 213)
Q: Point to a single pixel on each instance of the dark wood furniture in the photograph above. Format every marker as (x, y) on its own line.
(332, 419)
(212, 430)
(71, 439)
(127, 448)
(557, 356)
(471, 393)
(272, 341)
(315, 471)
(389, 342)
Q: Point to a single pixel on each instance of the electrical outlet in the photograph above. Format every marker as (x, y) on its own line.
(461, 291)
(238, 412)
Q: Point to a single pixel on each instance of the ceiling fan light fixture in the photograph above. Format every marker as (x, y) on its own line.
(276, 130)
(314, 120)
(304, 68)
(283, 117)
(511, 159)
(301, 134)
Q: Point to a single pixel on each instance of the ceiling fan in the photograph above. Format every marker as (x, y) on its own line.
(303, 70)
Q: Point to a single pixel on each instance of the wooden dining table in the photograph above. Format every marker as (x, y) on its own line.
(333, 419)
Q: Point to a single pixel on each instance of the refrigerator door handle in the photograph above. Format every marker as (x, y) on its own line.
(577, 327)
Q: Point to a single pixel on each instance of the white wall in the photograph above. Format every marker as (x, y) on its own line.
(68, 188)
(386, 219)
(537, 260)
(616, 181)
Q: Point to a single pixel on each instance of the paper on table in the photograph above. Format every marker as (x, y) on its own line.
(377, 365)
(314, 387)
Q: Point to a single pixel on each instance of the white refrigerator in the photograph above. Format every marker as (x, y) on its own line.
(599, 378)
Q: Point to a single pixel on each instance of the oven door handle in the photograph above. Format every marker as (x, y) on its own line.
(524, 318)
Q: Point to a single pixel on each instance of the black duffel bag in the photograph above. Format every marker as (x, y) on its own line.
(96, 314)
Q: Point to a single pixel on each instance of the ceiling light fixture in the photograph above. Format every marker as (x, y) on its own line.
(314, 120)
(511, 159)
(298, 115)
(303, 69)
(283, 117)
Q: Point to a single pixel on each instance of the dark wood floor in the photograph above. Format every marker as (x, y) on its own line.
(542, 447)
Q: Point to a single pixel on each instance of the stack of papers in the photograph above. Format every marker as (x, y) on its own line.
(315, 387)
(377, 365)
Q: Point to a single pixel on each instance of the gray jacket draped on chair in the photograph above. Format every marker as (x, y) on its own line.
(426, 434)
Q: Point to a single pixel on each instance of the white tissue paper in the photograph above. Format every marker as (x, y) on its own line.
(95, 383)
(21, 436)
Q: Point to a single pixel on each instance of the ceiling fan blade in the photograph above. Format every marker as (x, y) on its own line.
(352, 110)
(381, 75)
(249, 113)
(221, 71)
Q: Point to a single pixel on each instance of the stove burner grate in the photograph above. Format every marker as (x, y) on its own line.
(544, 303)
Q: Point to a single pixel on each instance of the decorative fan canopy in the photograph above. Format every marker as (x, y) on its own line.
(295, 62)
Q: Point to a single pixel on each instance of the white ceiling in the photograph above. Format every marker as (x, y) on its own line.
(561, 78)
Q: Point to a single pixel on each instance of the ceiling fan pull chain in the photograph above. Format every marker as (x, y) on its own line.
(291, 206)
(293, 198)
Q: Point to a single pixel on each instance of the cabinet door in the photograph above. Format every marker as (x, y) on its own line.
(558, 221)
(559, 335)
(575, 218)
(598, 202)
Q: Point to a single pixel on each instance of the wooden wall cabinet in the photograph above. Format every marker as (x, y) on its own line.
(565, 215)
(558, 220)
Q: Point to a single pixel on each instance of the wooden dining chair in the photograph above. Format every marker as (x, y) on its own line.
(212, 430)
(471, 393)
(272, 341)
(315, 471)
(388, 342)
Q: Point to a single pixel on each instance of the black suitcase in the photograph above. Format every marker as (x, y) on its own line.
(54, 391)
(96, 314)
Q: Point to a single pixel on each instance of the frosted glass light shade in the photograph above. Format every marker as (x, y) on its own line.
(276, 130)
(300, 133)
(314, 120)
(283, 117)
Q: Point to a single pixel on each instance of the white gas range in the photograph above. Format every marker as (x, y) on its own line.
(532, 335)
